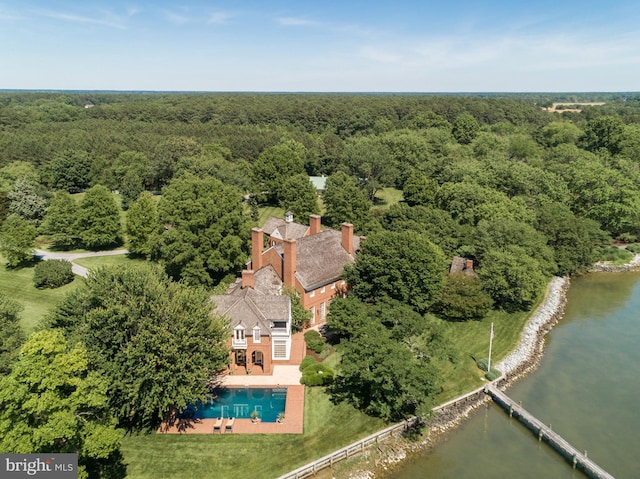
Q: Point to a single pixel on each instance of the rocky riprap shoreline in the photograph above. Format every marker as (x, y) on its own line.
(524, 359)
(607, 267)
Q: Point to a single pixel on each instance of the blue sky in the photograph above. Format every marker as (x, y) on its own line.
(328, 45)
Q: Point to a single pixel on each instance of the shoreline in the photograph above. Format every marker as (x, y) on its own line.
(524, 359)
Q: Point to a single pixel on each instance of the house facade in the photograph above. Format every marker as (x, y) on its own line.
(261, 329)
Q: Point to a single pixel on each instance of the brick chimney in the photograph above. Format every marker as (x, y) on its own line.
(248, 279)
(314, 224)
(257, 243)
(468, 265)
(347, 237)
(289, 269)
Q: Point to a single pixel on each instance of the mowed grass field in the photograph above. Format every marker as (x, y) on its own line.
(327, 427)
(17, 284)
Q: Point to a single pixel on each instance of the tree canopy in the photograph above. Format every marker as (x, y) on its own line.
(53, 402)
(155, 341)
(403, 266)
(203, 232)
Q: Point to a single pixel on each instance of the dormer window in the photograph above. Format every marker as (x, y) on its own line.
(256, 334)
(238, 333)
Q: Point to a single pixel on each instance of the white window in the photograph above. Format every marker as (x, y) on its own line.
(280, 349)
(239, 334)
(333, 286)
(313, 293)
(322, 310)
(256, 334)
(313, 314)
(322, 290)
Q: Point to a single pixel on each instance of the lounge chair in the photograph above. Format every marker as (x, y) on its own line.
(228, 427)
(217, 426)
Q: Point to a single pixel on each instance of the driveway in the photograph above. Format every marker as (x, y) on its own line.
(76, 268)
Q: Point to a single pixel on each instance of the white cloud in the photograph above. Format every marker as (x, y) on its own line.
(103, 17)
(220, 17)
(177, 18)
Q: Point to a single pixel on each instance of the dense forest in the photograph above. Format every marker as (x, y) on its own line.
(523, 192)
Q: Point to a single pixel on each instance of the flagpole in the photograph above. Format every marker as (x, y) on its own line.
(490, 345)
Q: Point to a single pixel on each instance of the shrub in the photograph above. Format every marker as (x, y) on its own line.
(628, 238)
(634, 248)
(314, 340)
(483, 363)
(317, 374)
(52, 273)
(614, 254)
(490, 375)
(306, 362)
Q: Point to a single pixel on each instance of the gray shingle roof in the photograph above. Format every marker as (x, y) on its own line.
(279, 228)
(249, 308)
(320, 258)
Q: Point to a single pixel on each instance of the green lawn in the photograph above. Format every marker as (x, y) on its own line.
(471, 341)
(115, 260)
(17, 284)
(266, 211)
(240, 456)
(387, 197)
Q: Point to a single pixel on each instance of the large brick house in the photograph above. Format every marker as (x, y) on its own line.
(312, 264)
(259, 315)
(260, 322)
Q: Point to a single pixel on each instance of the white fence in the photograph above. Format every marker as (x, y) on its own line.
(359, 446)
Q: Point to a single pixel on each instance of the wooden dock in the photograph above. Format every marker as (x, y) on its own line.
(576, 458)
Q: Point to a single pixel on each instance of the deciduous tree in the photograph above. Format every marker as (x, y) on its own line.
(512, 278)
(53, 402)
(384, 378)
(59, 223)
(463, 298)
(11, 334)
(156, 341)
(142, 222)
(204, 231)
(98, 219)
(299, 196)
(17, 237)
(27, 202)
(403, 266)
(345, 202)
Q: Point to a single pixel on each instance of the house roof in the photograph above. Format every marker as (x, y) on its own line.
(319, 182)
(279, 228)
(248, 308)
(459, 265)
(320, 258)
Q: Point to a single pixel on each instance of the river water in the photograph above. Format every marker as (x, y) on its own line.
(587, 388)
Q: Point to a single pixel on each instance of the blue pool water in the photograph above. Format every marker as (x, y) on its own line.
(241, 402)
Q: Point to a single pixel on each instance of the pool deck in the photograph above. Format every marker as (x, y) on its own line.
(283, 376)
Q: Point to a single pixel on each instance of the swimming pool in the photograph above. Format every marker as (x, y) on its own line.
(240, 403)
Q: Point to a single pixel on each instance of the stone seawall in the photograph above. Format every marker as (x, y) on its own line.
(524, 359)
(606, 267)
